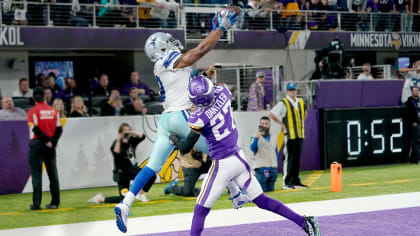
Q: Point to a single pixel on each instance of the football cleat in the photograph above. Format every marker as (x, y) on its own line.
(142, 197)
(121, 213)
(239, 200)
(168, 188)
(97, 198)
(311, 226)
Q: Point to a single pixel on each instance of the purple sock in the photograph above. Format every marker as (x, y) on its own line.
(275, 206)
(200, 214)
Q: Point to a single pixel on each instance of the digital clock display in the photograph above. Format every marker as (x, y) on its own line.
(362, 136)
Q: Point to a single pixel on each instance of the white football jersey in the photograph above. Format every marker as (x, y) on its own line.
(173, 83)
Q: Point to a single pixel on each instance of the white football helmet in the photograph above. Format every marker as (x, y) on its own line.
(159, 43)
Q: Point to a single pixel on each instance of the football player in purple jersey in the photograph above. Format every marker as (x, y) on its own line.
(213, 119)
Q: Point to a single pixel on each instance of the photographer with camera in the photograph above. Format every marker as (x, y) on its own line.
(125, 165)
(265, 156)
(330, 62)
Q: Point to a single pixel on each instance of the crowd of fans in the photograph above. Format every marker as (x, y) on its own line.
(286, 14)
(70, 101)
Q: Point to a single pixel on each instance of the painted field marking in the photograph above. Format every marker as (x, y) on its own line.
(314, 176)
(399, 181)
(320, 188)
(190, 198)
(59, 209)
(288, 190)
(12, 213)
(157, 201)
(103, 205)
(362, 184)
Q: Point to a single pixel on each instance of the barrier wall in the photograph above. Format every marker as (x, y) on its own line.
(83, 153)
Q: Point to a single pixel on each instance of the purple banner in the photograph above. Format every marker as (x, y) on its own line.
(78, 38)
(14, 147)
(26, 37)
(348, 93)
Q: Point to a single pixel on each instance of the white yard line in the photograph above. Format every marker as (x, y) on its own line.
(176, 222)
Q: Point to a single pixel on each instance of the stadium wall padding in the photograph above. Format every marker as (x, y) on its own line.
(83, 153)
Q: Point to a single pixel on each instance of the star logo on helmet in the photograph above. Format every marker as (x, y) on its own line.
(153, 42)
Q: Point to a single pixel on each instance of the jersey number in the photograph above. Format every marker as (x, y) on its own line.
(220, 128)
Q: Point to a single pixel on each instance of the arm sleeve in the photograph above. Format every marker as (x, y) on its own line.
(57, 135)
(136, 140)
(254, 145)
(58, 131)
(279, 110)
(41, 135)
(186, 145)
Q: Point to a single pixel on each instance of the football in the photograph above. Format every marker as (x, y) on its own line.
(230, 9)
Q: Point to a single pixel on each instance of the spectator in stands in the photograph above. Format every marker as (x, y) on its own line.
(256, 17)
(162, 10)
(412, 120)
(366, 74)
(126, 165)
(412, 78)
(133, 94)
(383, 6)
(128, 14)
(81, 16)
(24, 90)
(326, 21)
(78, 108)
(191, 174)
(136, 83)
(313, 18)
(292, 17)
(354, 20)
(58, 106)
(274, 7)
(114, 106)
(265, 156)
(108, 13)
(209, 72)
(347, 74)
(405, 18)
(48, 96)
(103, 88)
(41, 80)
(9, 111)
(256, 93)
(71, 89)
(136, 108)
(57, 92)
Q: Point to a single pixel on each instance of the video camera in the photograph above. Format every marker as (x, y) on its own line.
(333, 61)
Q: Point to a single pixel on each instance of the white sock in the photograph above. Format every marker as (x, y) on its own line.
(129, 198)
(233, 188)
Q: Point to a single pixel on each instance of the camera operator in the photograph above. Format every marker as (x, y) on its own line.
(265, 156)
(330, 62)
(125, 165)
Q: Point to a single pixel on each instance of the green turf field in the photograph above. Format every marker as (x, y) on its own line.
(363, 181)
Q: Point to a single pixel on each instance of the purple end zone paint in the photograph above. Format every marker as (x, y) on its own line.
(404, 221)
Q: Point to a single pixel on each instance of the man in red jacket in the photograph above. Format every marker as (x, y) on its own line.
(46, 129)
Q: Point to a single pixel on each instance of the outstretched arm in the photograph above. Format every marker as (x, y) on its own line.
(209, 42)
(202, 49)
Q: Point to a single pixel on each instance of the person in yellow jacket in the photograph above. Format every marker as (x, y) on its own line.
(290, 114)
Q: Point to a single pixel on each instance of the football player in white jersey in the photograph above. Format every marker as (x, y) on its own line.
(172, 71)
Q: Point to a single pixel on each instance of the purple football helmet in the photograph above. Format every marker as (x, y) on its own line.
(201, 91)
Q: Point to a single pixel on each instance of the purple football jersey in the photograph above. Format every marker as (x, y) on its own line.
(218, 125)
